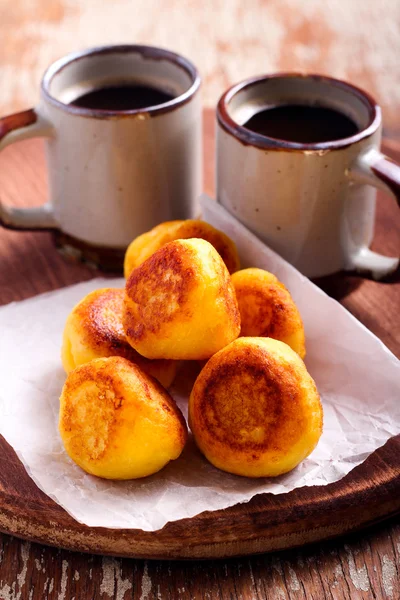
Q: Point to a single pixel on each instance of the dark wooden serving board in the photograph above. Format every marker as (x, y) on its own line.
(371, 492)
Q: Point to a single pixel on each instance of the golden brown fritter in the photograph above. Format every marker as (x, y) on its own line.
(254, 409)
(94, 330)
(180, 303)
(116, 422)
(267, 309)
(146, 244)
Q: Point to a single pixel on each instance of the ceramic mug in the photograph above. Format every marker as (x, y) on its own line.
(112, 174)
(311, 202)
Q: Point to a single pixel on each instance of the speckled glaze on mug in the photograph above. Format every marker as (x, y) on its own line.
(112, 174)
(314, 203)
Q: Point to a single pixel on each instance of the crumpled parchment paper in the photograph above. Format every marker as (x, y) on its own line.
(357, 376)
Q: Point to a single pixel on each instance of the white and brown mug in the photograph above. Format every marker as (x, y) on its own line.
(112, 173)
(312, 202)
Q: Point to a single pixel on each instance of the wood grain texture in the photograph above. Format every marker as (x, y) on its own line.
(364, 566)
(359, 567)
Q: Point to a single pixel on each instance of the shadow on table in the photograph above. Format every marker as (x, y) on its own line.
(340, 285)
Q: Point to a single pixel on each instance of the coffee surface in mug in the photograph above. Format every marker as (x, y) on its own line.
(128, 96)
(303, 124)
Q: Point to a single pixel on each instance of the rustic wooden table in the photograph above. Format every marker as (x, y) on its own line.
(359, 566)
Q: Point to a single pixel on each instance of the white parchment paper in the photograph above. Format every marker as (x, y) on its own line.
(357, 377)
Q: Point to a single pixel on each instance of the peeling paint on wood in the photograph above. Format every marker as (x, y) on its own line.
(146, 583)
(359, 576)
(388, 575)
(107, 585)
(63, 591)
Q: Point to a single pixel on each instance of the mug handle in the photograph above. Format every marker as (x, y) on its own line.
(374, 168)
(13, 128)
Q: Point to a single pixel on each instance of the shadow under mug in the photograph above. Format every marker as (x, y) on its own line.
(311, 202)
(112, 174)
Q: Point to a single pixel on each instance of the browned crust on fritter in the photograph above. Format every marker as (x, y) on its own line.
(101, 318)
(249, 390)
(159, 288)
(106, 418)
(108, 375)
(225, 247)
(276, 314)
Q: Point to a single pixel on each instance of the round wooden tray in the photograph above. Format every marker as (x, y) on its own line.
(369, 493)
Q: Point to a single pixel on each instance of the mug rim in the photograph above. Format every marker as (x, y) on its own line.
(252, 138)
(152, 52)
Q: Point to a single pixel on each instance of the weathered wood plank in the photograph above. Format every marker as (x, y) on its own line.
(358, 567)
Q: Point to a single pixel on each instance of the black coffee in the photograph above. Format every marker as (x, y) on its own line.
(123, 97)
(304, 124)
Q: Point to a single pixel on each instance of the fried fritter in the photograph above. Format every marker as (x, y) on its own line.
(94, 330)
(116, 422)
(146, 244)
(267, 309)
(180, 303)
(254, 409)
